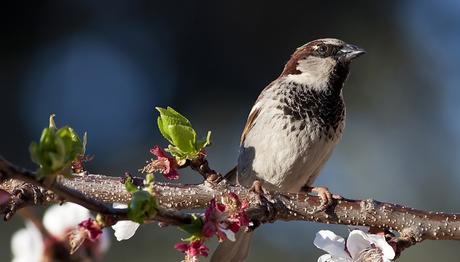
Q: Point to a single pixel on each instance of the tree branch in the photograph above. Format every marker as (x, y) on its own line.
(98, 192)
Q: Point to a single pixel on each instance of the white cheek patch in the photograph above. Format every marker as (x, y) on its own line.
(314, 72)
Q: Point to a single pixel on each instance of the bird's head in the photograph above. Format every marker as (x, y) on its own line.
(322, 63)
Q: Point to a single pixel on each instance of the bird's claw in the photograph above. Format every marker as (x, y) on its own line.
(326, 197)
(261, 196)
(257, 188)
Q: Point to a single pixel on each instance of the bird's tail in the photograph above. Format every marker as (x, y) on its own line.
(236, 251)
(231, 175)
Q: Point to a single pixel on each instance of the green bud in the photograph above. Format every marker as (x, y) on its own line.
(142, 206)
(194, 228)
(56, 150)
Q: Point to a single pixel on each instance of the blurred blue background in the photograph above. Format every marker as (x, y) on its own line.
(102, 66)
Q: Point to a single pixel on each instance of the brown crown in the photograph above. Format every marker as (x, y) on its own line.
(291, 66)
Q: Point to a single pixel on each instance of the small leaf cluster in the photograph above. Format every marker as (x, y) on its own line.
(143, 204)
(56, 150)
(180, 134)
(194, 229)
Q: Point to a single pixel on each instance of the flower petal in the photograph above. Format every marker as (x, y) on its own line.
(329, 258)
(92, 228)
(357, 241)
(229, 234)
(58, 219)
(27, 244)
(171, 174)
(125, 229)
(331, 243)
(104, 241)
(157, 152)
(4, 197)
(382, 244)
(325, 258)
(182, 247)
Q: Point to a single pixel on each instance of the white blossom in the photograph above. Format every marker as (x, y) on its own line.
(27, 244)
(359, 246)
(124, 229)
(58, 219)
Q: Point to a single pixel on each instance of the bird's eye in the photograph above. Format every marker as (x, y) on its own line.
(322, 49)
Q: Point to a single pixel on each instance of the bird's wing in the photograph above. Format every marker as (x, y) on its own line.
(250, 122)
(254, 114)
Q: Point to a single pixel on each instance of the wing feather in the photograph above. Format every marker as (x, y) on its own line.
(250, 122)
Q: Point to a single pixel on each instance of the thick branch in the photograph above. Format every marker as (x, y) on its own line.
(34, 192)
(97, 192)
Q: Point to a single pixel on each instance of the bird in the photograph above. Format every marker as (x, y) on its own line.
(293, 127)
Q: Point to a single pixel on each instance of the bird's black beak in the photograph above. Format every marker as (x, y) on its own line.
(349, 52)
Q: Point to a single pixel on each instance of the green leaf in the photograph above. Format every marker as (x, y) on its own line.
(149, 179)
(85, 142)
(149, 183)
(129, 185)
(72, 142)
(204, 143)
(176, 152)
(142, 206)
(170, 117)
(192, 238)
(163, 132)
(183, 137)
(180, 134)
(180, 156)
(194, 228)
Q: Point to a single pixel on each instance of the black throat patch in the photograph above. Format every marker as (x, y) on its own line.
(323, 109)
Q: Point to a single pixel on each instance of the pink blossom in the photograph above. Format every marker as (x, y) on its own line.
(214, 216)
(164, 164)
(192, 250)
(236, 209)
(92, 229)
(4, 197)
(226, 218)
(86, 230)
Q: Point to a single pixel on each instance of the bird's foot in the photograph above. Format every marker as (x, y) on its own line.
(257, 188)
(262, 198)
(327, 198)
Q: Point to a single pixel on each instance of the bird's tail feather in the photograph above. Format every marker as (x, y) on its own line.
(236, 251)
(231, 175)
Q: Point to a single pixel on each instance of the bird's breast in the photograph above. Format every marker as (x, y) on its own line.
(288, 144)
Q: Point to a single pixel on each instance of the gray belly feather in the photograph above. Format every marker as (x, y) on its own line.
(289, 144)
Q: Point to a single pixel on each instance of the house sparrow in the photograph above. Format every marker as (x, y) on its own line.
(293, 127)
